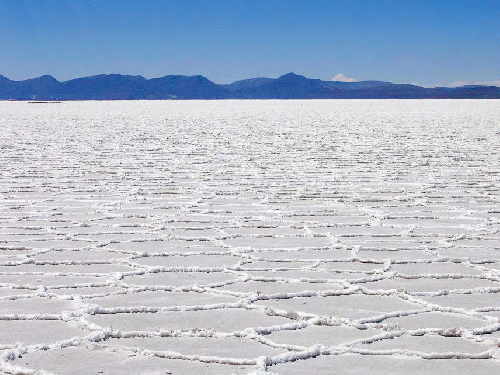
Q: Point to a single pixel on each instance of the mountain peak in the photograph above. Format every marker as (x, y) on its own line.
(44, 80)
(114, 76)
(291, 76)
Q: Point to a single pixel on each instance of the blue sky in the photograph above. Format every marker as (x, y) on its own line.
(424, 42)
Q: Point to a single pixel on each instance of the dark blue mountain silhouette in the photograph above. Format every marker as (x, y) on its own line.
(288, 86)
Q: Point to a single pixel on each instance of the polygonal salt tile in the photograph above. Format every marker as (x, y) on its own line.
(132, 246)
(276, 265)
(34, 222)
(443, 231)
(354, 306)
(432, 222)
(228, 347)
(190, 261)
(381, 364)
(296, 274)
(220, 320)
(90, 268)
(429, 344)
(435, 320)
(154, 212)
(209, 221)
(434, 268)
(278, 242)
(51, 279)
(489, 243)
(333, 219)
(320, 335)
(351, 266)
(177, 279)
(36, 305)
(205, 233)
(278, 287)
(30, 332)
(386, 244)
(56, 244)
(125, 221)
(84, 361)
(304, 254)
(466, 301)
(116, 235)
(164, 246)
(470, 252)
(399, 255)
(359, 231)
(162, 299)
(78, 255)
(27, 235)
(431, 284)
(265, 231)
(86, 291)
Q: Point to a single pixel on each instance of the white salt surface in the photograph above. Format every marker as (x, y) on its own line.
(238, 237)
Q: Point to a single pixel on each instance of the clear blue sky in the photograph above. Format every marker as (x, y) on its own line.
(425, 42)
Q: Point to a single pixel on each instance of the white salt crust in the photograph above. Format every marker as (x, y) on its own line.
(250, 237)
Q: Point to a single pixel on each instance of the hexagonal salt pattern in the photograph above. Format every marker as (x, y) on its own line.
(237, 237)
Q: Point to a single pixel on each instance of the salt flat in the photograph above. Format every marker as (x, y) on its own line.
(221, 237)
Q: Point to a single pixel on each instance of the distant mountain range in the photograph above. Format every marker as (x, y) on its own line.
(288, 86)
